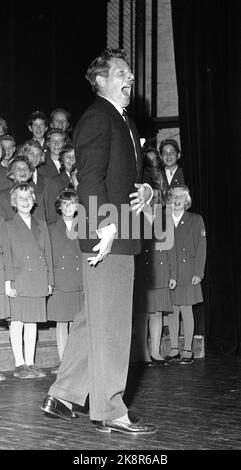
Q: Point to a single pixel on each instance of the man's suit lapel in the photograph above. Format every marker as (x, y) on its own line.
(138, 149)
(116, 114)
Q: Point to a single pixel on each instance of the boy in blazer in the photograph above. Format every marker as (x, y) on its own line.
(172, 173)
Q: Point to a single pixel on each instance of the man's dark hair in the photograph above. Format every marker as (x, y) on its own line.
(101, 65)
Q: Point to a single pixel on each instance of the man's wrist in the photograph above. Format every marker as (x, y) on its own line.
(107, 230)
(150, 191)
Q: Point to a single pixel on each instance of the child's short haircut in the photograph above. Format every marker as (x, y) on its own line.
(172, 142)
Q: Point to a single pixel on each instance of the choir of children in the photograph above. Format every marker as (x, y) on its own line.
(41, 266)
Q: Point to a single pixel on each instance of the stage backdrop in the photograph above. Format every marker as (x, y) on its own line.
(207, 40)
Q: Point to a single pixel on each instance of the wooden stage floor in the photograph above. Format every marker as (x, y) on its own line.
(195, 407)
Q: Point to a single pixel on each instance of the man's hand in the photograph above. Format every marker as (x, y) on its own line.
(107, 235)
(142, 196)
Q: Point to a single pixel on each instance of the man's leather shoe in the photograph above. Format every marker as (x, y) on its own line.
(132, 417)
(125, 428)
(56, 408)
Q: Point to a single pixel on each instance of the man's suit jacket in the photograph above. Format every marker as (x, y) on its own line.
(31, 256)
(107, 170)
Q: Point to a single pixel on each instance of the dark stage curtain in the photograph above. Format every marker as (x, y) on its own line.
(207, 45)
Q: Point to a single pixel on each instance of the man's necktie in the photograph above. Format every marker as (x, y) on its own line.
(125, 116)
(126, 119)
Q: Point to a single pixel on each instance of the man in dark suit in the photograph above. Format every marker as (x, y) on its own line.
(109, 162)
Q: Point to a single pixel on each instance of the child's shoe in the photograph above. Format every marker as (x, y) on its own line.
(187, 357)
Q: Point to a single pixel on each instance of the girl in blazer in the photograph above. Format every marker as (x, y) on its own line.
(34, 152)
(32, 279)
(19, 170)
(58, 182)
(67, 298)
(155, 275)
(190, 243)
(56, 138)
